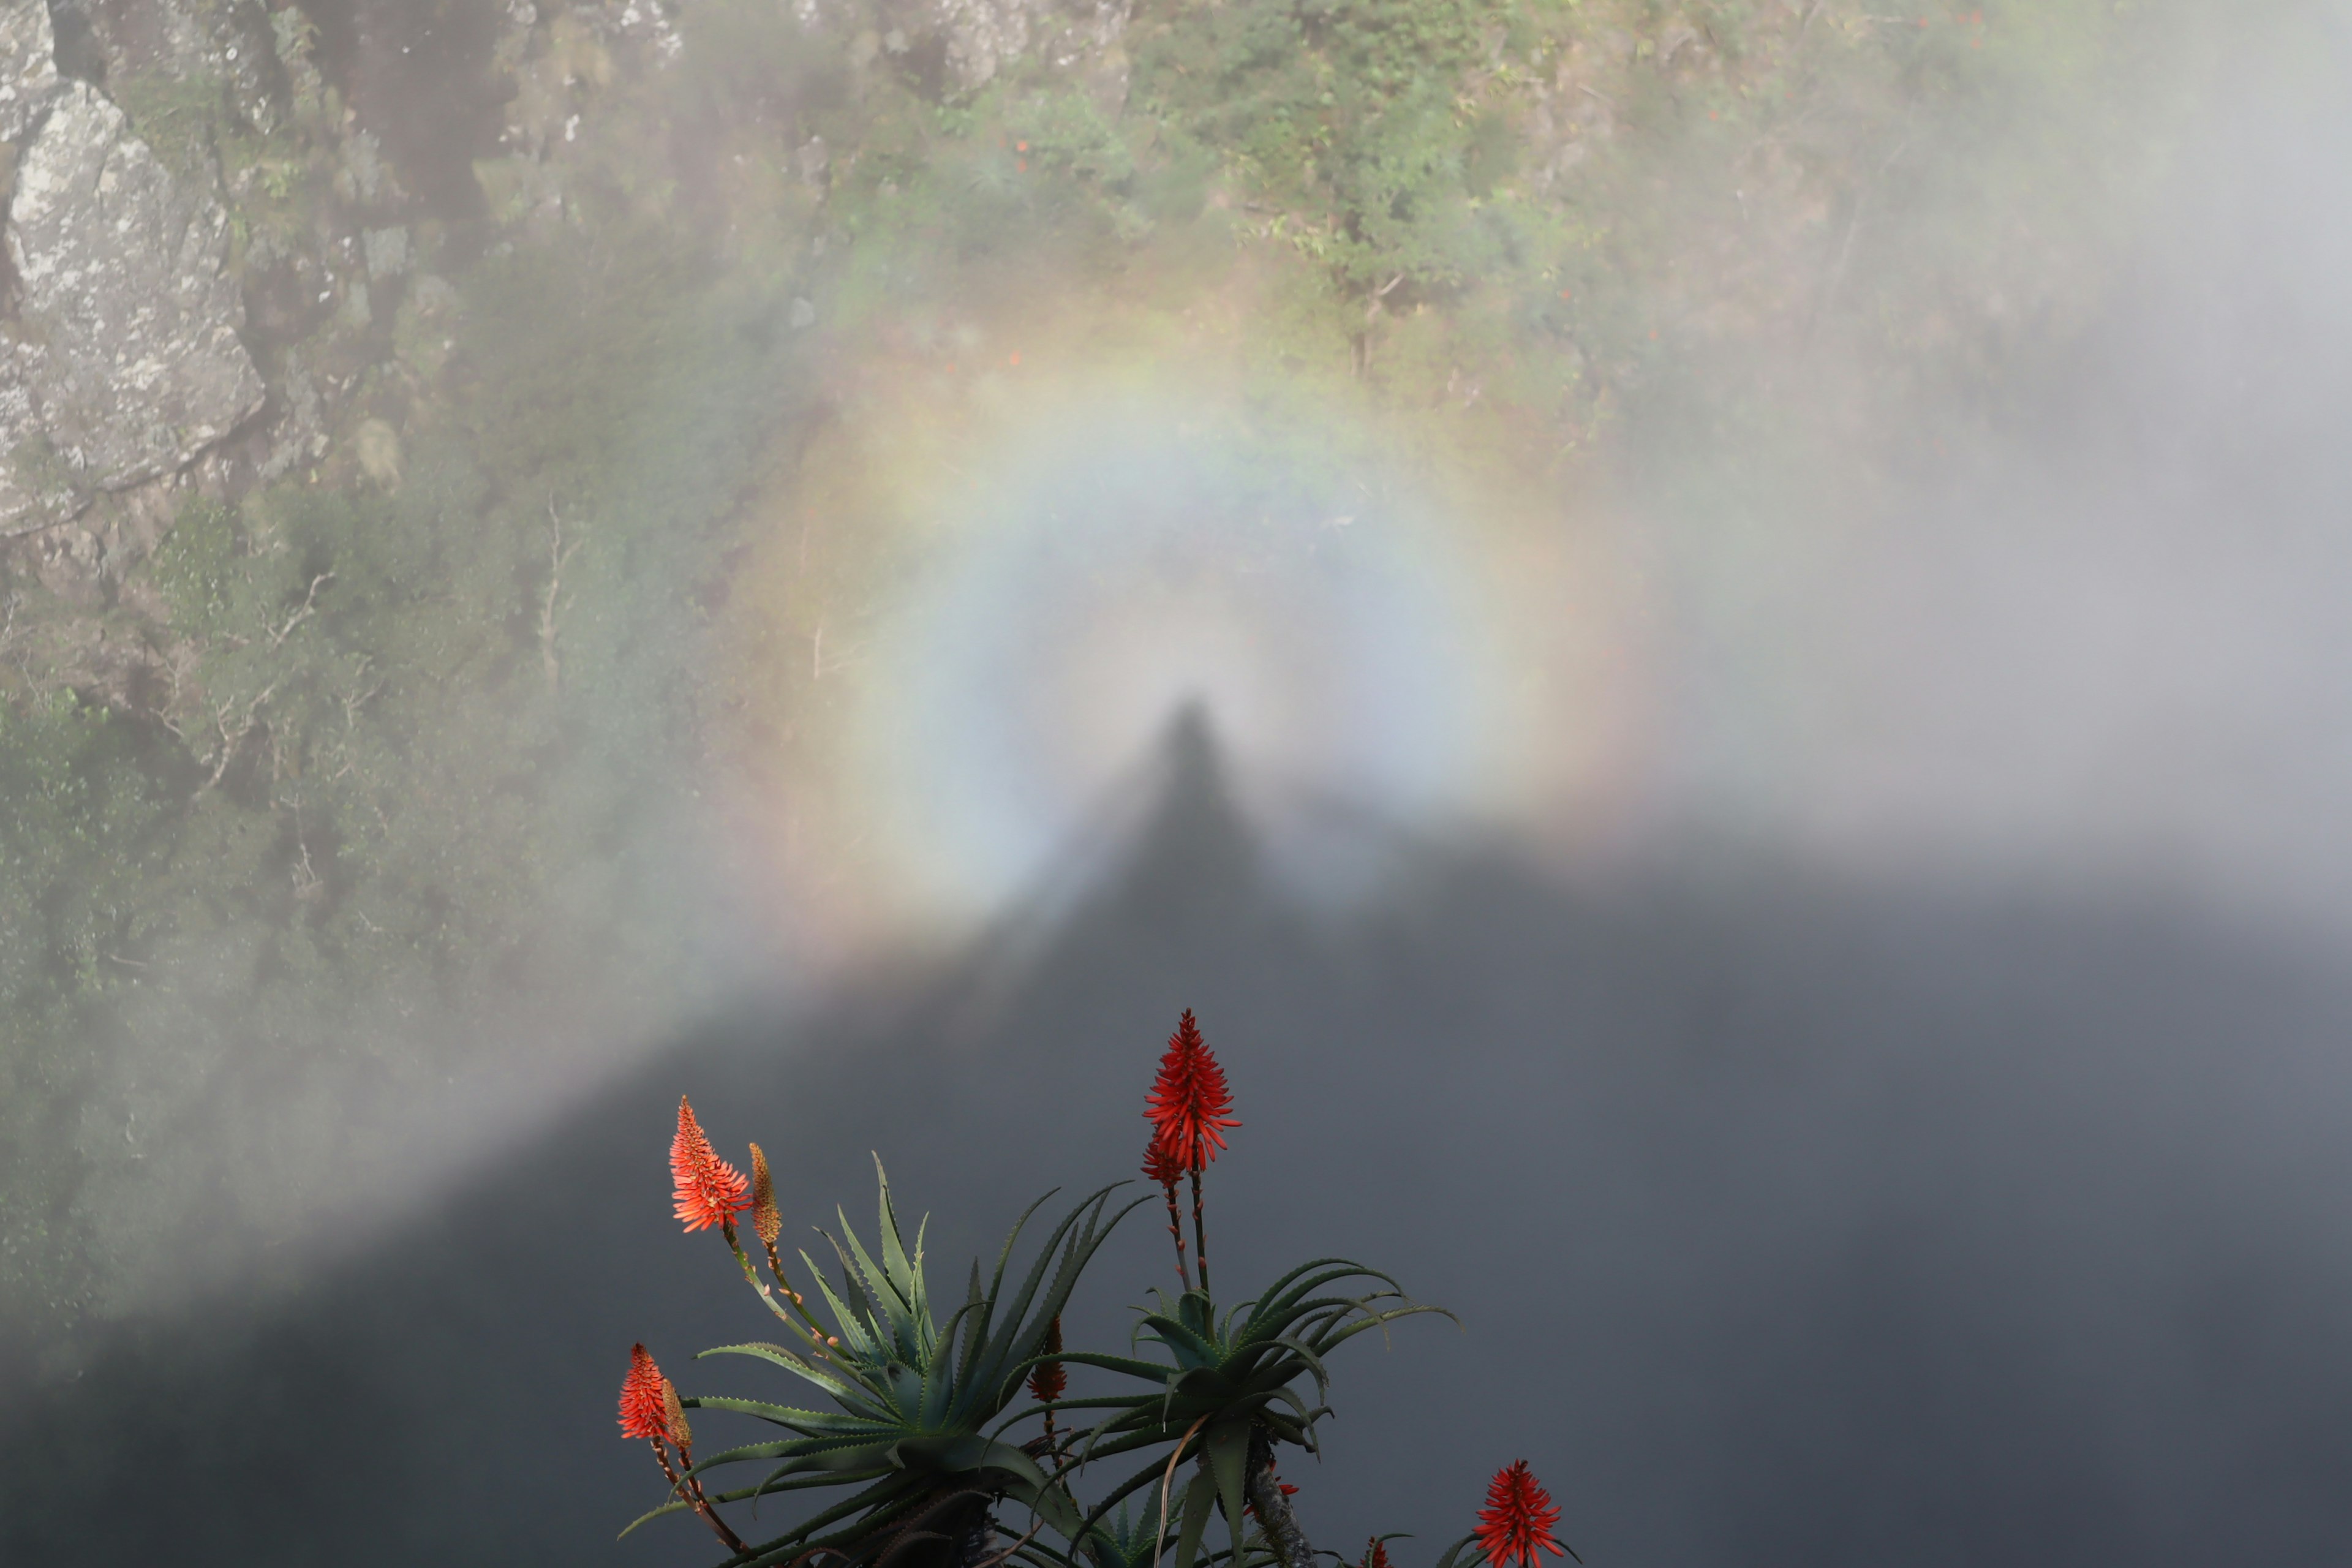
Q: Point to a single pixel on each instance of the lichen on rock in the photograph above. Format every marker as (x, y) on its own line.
(28, 65)
(131, 362)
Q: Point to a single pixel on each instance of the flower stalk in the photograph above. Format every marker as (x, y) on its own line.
(651, 1409)
(1048, 1380)
(1190, 1108)
(1161, 1168)
(1199, 1235)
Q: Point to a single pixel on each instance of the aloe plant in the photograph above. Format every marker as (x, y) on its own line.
(915, 1434)
(913, 1398)
(1230, 1390)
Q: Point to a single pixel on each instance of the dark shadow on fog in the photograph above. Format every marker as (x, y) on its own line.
(1790, 1220)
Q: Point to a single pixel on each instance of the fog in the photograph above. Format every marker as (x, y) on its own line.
(1824, 944)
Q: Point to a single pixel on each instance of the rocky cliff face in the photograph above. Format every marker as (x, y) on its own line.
(123, 360)
(131, 358)
(225, 223)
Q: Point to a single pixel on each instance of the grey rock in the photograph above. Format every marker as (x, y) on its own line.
(802, 314)
(387, 250)
(130, 363)
(362, 178)
(28, 65)
(983, 35)
(299, 435)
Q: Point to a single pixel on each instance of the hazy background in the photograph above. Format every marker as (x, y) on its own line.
(1763, 824)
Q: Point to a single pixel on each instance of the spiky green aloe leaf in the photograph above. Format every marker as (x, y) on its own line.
(1199, 1494)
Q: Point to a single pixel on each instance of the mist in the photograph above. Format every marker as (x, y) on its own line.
(1797, 887)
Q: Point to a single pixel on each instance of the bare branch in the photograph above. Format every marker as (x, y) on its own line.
(552, 606)
(353, 701)
(309, 607)
(232, 744)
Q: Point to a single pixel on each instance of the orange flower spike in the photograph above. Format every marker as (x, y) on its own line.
(1190, 1105)
(644, 1411)
(709, 1190)
(1518, 1520)
(1376, 1555)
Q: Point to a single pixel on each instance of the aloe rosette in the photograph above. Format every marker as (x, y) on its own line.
(1230, 1390)
(914, 1398)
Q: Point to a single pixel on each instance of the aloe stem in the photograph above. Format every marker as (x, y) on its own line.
(976, 1544)
(1275, 1520)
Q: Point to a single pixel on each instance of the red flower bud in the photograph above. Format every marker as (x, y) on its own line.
(764, 1217)
(1047, 1380)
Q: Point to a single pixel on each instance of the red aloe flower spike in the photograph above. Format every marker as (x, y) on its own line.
(709, 1190)
(1376, 1555)
(1188, 1109)
(1160, 1164)
(1518, 1518)
(1189, 1105)
(644, 1413)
